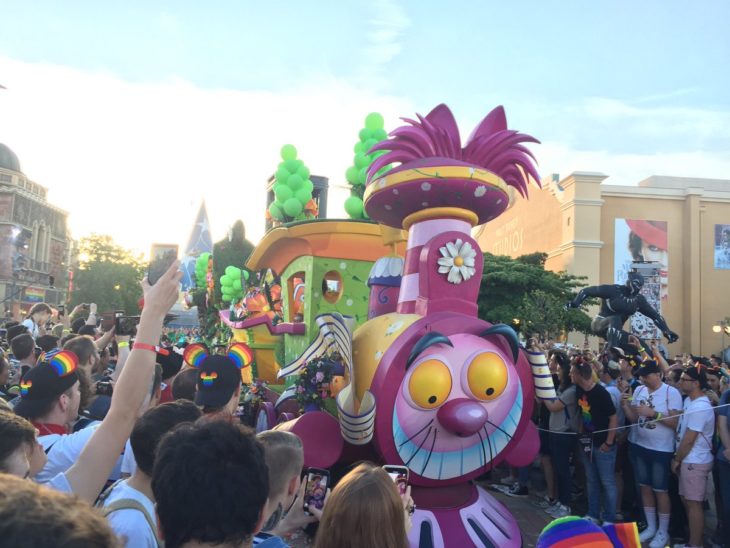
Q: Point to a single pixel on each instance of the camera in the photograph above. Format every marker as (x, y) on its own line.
(104, 388)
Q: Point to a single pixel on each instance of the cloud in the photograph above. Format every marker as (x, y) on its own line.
(630, 168)
(388, 25)
(134, 160)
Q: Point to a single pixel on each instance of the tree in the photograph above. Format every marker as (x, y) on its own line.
(107, 274)
(520, 292)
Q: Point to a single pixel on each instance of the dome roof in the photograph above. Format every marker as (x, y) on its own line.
(8, 159)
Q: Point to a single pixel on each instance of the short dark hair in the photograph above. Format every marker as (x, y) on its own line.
(15, 432)
(47, 342)
(584, 368)
(22, 346)
(153, 425)
(184, 384)
(210, 482)
(89, 330)
(77, 324)
(33, 515)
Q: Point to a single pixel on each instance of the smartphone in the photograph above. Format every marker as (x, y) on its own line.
(161, 258)
(107, 321)
(399, 475)
(316, 488)
(125, 325)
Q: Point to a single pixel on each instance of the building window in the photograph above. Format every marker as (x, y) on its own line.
(296, 288)
(5, 178)
(332, 286)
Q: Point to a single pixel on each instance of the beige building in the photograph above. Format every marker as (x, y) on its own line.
(684, 223)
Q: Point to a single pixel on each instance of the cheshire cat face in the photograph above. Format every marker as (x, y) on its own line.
(454, 407)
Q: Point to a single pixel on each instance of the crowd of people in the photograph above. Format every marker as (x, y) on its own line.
(635, 437)
(111, 441)
(127, 444)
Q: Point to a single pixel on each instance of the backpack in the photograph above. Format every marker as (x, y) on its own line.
(126, 504)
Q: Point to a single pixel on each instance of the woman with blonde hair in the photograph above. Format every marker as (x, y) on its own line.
(365, 510)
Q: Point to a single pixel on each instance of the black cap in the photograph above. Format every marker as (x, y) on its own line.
(697, 373)
(170, 361)
(55, 374)
(218, 379)
(15, 331)
(647, 368)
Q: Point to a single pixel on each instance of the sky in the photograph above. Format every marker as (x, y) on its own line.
(133, 112)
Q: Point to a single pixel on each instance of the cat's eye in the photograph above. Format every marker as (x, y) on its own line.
(430, 384)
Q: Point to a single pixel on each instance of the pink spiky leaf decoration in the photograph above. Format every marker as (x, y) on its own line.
(491, 146)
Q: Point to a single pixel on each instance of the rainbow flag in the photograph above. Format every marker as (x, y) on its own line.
(35, 295)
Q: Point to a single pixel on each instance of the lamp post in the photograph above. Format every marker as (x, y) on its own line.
(722, 327)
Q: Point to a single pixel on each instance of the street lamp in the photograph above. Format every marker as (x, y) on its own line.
(723, 327)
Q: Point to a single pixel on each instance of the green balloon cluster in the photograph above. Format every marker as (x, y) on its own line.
(356, 174)
(201, 269)
(292, 189)
(233, 283)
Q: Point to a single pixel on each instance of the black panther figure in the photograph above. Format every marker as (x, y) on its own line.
(618, 304)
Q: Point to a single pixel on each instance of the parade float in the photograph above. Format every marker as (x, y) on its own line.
(369, 348)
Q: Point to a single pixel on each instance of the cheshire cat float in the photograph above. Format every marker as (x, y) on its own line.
(430, 385)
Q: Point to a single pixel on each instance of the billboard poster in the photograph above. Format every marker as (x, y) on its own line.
(637, 242)
(722, 247)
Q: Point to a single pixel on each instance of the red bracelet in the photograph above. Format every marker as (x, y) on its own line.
(143, 346)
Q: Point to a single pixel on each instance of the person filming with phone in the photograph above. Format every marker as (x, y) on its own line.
(365, 510)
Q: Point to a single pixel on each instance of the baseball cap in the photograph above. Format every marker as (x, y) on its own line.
(613, 365)
(15, 331)
(219, 375)
(170, 361)
(647, 368)
(55, 374)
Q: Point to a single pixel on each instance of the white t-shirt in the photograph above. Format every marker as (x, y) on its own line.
(65, 450)
(129, 524)
(616, 398)
(648, 433)
(129, 463)
(698, 416)
(32, 327)
(59, 482)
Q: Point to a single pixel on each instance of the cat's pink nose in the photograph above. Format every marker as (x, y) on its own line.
(462, 417)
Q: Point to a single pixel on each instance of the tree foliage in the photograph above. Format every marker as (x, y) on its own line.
(107, 274)
(520, 292)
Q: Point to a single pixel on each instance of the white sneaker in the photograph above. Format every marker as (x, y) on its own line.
(647, 534)
(592, 520)
(558, 511)
(660, 540)
(546, 502)
(509, 481)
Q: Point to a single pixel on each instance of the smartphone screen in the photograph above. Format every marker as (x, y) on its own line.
(399, 475)
(316, 488)
(161, 257)
(107, 321)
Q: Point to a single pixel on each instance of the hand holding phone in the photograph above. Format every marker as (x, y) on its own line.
(161, 258)
(399, 475)
(315, 491)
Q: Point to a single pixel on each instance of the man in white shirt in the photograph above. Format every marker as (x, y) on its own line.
(654, 409)
(693, 461)
(129, 504)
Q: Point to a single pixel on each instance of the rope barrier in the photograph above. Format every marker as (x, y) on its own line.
(630, 425)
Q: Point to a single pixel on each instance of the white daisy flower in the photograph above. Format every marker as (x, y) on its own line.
(457, 259)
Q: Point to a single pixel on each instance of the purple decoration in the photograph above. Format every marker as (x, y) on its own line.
(490, 146)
